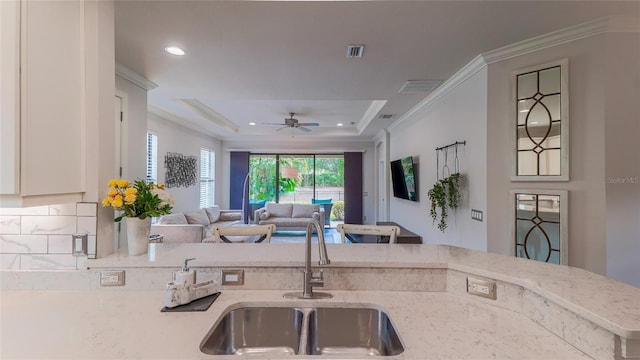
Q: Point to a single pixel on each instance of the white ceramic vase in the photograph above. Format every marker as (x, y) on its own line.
(138, 235)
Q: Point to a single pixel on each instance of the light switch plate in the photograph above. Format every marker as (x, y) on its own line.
(79, 244)
(476, 215)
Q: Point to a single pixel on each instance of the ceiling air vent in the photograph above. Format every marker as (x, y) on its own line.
(414, 86)
(385, 116)
(355, 51)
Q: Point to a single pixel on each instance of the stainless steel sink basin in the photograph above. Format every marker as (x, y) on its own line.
(275, 331)
(255, 330)
(352, 331)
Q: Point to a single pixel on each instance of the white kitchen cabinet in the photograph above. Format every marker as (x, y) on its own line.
(42, 68)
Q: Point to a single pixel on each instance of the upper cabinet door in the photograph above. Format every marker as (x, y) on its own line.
(10, 97)
(51, 111)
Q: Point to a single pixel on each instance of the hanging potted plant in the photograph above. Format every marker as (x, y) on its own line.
(444, 194)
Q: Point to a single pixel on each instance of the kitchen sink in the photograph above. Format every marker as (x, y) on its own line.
(255, 330)
(352, 331)
(341, 331)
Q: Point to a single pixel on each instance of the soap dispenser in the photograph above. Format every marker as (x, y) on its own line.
(183, 289)
(185, 276)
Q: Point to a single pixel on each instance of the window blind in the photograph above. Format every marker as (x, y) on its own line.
(207, 177)
(152, 158)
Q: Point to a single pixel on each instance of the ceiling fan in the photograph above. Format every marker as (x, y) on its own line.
(292, 123)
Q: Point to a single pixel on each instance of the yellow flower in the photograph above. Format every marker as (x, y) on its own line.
(112, 183)
(130, 199)
(122, 183)
(113, 192)
(117, 201)
(130, 191)
(107, 201)
(161, 186)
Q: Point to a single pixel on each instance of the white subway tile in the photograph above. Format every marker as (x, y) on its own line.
(60, 244)
(23, 244)
(87, 209)
(48, 225)
(63, 209)
(91, 246)
(9, 261)
(34, 210)
(48, 262)
(9, 224)
(87, 224)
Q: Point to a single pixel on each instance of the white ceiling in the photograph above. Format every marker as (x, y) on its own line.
(258, 61)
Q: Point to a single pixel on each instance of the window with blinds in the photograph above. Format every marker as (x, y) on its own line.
(207, 177)
(152, 157)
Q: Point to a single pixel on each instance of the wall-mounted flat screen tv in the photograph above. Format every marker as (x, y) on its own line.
(403, 179)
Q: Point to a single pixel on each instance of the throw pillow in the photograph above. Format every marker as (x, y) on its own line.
(197, 217)
(173, 219)
(213, 213)
(265, 215)
(230, 216)
(279, 210)
(304, 211)
(321, 201)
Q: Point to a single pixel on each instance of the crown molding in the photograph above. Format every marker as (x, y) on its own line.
(370, 114)
(167, 116)
(208, 113)
(572, 33)
(562, 36)
(134, 77)
(458, 78)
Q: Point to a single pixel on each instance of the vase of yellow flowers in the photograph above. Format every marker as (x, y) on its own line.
(138, 202)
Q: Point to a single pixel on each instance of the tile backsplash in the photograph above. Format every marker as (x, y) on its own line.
(39, 238)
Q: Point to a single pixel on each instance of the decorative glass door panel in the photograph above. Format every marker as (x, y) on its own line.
(540, 225)
(541, 123)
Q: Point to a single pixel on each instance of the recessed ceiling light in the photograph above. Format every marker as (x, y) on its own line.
(340, 124)
(252, 123)
(173, 50)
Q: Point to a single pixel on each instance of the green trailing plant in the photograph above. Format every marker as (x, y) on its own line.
(443, 195)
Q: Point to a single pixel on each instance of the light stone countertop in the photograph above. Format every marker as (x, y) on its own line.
(539, 305)
(611, 304)
(129, 324)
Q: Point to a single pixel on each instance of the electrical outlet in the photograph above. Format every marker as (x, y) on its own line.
(476, 215)
(232, 277)
(484, 288)
(112, 278)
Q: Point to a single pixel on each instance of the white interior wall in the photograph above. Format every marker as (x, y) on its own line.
(622, 138)
(587, 244)
(134, 138)
(306, 146)
(179, 139)
(459, 115)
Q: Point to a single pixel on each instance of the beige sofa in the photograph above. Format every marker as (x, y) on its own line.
(289, 216)
(194, 226)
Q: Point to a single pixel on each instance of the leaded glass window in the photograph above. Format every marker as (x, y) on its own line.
(540, 225)
(541, 123)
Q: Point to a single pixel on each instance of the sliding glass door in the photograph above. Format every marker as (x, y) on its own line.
(299, 179)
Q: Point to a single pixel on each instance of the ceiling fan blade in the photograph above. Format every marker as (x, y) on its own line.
(284, 127)
(303, 128)
(308, 124)
(279, 124)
